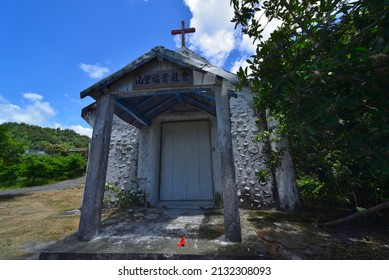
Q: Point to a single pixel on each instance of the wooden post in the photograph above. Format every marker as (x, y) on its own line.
(286, 193)
(96, 170)
(285, 178)
(232, 228)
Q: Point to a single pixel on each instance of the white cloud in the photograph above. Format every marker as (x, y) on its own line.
(94, 71)
(35, 112)
(215, 33)
(239, 63)
(82, 130)
(3, 100)
(247, 47)
(77, 128)
(32, 96)
(71, 99)
(269, 26)
(216, 37)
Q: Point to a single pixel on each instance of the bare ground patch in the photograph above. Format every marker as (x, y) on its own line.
(32, 221)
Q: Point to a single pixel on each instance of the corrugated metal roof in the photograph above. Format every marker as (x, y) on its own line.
(192, 61)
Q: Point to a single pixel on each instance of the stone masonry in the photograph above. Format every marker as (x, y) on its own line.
(248, 155)
(123, 155)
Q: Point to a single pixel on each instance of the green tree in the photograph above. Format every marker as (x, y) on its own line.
(323, 74)
(37, 167)
(50, 140)
(54, 168)
(56, 149)
(75, 165)
(10, 155)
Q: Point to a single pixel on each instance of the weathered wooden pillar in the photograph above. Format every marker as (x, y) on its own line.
(285, 178)
(232, 228)
(284, 175)
(96, 170)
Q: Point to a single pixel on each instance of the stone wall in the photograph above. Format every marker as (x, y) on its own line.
(248, 155)
(123, 154)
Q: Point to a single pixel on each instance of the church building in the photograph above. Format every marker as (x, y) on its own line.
(175, 126)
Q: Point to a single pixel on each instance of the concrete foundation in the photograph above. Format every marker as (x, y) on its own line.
(153, 233)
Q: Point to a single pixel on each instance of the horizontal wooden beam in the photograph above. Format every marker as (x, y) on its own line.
(171, 90)
(199, 93)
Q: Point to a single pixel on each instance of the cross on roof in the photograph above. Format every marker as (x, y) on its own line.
(183, 31)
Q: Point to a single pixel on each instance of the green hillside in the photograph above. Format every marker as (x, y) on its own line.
(46, 139)
(31, 155)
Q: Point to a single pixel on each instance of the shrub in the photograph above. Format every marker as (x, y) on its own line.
(75, 165)
(123, 198)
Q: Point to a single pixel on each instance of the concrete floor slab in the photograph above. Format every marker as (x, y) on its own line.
(153, 233)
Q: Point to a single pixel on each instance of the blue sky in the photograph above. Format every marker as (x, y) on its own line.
(52, 50)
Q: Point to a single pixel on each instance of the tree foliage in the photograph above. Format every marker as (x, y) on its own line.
(323, 74)
(57, 164)
(10, 149)
(36, 166)
(11, 152)
(50, 140)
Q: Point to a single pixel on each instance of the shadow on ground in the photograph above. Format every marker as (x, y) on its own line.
(150, 233)
(8, 197)
(297, 236)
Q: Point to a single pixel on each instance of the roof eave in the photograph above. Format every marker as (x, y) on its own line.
(167, 54)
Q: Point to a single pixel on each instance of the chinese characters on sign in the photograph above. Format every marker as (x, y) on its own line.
(167, 78)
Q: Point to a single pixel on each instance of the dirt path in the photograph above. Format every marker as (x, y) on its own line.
(56, 186)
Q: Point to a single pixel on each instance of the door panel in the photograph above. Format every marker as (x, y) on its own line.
(186, 170)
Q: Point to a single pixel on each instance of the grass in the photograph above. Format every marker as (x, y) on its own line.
(28, 222)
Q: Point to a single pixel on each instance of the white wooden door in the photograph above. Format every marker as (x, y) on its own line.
(186, 170)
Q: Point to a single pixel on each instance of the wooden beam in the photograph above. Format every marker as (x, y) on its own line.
(172, 90)
(199, 93)
(161, 105)
(200, 105)
(148, 99)
(96, 173)
(180, 100)
(133, 112)
(232, 228)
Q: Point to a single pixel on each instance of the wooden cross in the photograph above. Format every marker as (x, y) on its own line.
(183, 31)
